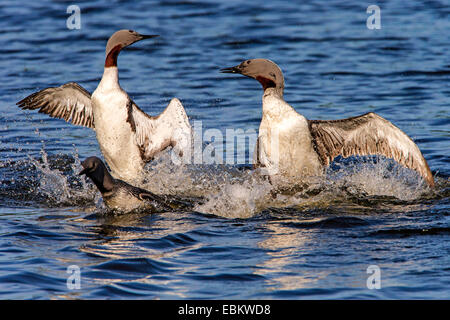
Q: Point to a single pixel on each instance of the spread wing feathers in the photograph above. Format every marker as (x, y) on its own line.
(367, 134)
(154, 134)
(70, 102)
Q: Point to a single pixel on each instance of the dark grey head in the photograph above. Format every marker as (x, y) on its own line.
(263, 70)
(120, 40)
(96, 170)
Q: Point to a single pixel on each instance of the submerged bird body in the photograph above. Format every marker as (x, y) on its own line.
(121, 196)
(127, 136)
(293, 147)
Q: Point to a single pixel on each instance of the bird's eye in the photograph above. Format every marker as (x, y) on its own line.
(248, 61)
(131, 31)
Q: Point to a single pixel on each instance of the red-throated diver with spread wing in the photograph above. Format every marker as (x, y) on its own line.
(128, 137)
(305, 147)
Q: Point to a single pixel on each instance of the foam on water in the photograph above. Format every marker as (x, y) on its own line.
(234, 192)
(63, 189)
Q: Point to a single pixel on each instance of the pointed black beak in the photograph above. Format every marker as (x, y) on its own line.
(231, 70)
(147, 36)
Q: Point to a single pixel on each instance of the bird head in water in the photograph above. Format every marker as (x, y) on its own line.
(263, 70)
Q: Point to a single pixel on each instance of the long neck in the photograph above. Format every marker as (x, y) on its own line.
(108, 181)
(274, 104)
(273, 87)
(111, 57)
(102, 179)
(110, 78)
(274, 91)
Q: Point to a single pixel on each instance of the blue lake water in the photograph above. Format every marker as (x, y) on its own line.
(244, 242)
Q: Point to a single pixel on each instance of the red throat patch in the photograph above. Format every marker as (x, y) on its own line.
(111, 58)
(266, 83)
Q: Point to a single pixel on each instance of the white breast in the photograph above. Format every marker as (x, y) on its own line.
(285, 143)
(114, 135)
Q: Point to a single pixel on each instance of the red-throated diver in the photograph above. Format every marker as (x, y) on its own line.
(304, 147)
(127, 136)
(121, 196)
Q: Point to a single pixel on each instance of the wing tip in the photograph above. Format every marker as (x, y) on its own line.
(175, 103)
(44, 101)
(27, 102)
(175, 107)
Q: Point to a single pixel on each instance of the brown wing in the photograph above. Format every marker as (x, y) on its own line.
(368, 134)
(70, 102)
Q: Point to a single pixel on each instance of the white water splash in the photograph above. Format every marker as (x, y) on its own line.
(236, 193)
(380, 178)
(55, 186)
